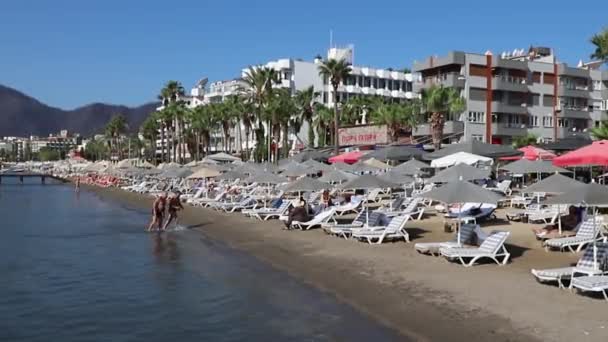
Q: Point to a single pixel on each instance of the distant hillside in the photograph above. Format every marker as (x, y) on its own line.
(22, 115)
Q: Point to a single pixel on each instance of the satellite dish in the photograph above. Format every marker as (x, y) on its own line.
(202, 83)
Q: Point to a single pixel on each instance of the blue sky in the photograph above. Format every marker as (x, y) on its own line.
(68, 53)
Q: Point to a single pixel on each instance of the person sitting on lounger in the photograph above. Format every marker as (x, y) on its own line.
(298, 213)
(569, 222)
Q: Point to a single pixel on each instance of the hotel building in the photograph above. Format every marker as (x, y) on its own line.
(514, 94)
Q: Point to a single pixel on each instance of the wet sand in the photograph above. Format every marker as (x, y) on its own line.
(424, 298)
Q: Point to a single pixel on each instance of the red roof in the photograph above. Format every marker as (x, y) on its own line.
(595, 154)
(532, 153)
(347, 157)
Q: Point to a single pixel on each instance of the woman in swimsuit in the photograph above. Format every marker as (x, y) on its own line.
(158, 212)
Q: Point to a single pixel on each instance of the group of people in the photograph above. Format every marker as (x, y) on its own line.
(171, 204)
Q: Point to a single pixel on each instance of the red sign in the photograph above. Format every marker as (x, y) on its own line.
(363, 135)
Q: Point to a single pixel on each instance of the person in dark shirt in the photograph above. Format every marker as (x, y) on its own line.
(299, 213)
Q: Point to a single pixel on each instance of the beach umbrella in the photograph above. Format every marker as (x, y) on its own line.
(343, 167)
(475, 147)
(411, 167)
(308, 154)
(336, 176)
(176, 173)
(525, 166)
(532, 153)
(377, 163)
(397, 153)
(461, 192)
(206, 160)
(146, 165)
(366, 182)
(164, 166)
(288, 165)
(595, 154)
(297, 171)
(305, 184)
(361, 167)
(231, 175)
(459, 172)
(589, 196)
(461, 158)
(265, 178)
(396, 177)
(347, 157)
(222, 157)
(569, 143)
(125, 164)
(204, 172)
(317, 166)
(267, 167)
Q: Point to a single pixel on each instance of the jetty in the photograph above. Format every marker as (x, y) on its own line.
(27, 174)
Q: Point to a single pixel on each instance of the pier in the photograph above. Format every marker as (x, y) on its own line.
(22, 175)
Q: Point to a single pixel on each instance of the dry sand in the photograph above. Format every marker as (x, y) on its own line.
(425, 298)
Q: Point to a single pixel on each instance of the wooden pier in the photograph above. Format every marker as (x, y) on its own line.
(22, 175)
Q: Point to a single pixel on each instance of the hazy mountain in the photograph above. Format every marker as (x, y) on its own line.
(22, 115)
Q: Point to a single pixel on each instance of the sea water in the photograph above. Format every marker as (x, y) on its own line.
(78, 267)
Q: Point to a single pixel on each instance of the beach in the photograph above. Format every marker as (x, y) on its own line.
(422, 297)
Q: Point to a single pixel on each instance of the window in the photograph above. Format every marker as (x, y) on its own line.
(477, 70)
(536, 77)
(477, 117)
(477, 94)
(534, 99)
(549, 78)
(548, 100)
(547, 121)
(381, 83)
(563, 122)
(533, 121)
(477, 137)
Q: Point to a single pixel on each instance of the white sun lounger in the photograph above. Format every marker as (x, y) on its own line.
(584, 266)
(345, 230)
(267, 213)
(493, 247)
(321, 217)
(595, 283)
(350, 207)
(467, 232)
(584, 236)
(394, 230)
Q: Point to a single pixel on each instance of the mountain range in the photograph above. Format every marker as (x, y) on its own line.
(23, 115)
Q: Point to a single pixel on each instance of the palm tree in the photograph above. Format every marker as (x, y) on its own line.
(524, 140)
(305, 102)
(203, 122)
(115, 127)
(335, 71)
(321, 122)
(437, 102)
(395, 116)
(600, 40)
(281, 109)
(600, 132)
(149, 129)
(170, 94)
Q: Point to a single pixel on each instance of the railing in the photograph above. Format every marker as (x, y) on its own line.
(511, 79)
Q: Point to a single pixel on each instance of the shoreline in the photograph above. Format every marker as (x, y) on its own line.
(417, 313)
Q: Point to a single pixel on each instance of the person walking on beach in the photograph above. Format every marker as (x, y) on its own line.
(158, 212)
(175, 204)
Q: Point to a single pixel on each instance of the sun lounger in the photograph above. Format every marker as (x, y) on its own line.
(395, 230)
(361, 222)
(206, 202)
(594, 283)
(319, 219)
(267, 213)
(492, 247)
(467, 237)
(503, 187)
(584, 236)
(584, 266)
(350, 207)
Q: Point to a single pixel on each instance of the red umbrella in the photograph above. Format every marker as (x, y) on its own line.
(595, 154)
(532, 153)
(347, 157)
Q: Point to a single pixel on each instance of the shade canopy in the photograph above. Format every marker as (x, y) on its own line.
(411, 167)
(595, 154)
(475, 147)
(369, 182)
(231, 175)
(316, 166)
(204, 172)
(319, 155)
(588, 195)
(460, 172)
(461, 192)
(395, 177)
(377, 163)
(361, 167)
(461, 158)
(524, 166)
(223, 157)
(336, 176)
(305, 184)
(569, 143)
(265, 178)
(554, 184)
(287, 165)
(164, 166)
(344, 167)
(176, 173)
(297, 170)
(532, 153)
(347, 157)
(396, 153)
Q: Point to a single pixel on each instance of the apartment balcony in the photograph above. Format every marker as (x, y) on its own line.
(508, 129)
(509, 64)
(450, 127)
(573, 113)
(510, 83)
(453, 57)
(454, 80)
(501, 107)
(604, 93)
(352, 89)
(582, 92)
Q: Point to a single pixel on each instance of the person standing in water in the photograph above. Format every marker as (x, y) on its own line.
(77, 184)
(175, 204)
(158, 212)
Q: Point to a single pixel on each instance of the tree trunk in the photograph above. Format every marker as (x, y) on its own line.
(247, 143)
(436, 126)
(336, 122)
(286, 141)
(311, 134)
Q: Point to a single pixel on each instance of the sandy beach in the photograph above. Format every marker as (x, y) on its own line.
(425, 298)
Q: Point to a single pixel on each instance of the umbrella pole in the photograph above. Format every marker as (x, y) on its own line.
(559, 220)
(458, 222)
(594, 239)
